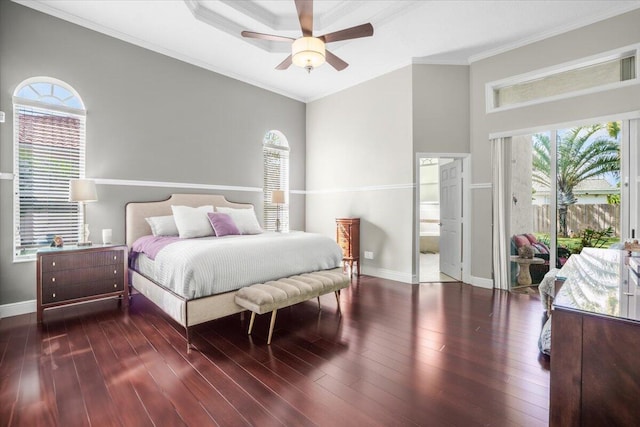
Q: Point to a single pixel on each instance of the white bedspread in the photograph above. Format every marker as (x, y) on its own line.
(200, 267)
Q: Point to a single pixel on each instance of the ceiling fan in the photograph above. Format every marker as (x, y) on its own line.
(308, 51)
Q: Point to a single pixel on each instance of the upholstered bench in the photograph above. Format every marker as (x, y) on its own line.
(270, 296)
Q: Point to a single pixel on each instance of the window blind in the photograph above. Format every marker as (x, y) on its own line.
(276, 177)
(49, 152)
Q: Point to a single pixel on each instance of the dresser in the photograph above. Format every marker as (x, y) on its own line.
(75, 274)
(348, 237)
(595, 342)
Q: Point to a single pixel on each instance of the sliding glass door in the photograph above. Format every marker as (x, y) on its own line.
(566, 194)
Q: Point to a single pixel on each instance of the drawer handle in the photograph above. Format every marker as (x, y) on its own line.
(53, 296)
(115, 285)
(114, 257)
(53, 264)
(53, 279)
(115, 271)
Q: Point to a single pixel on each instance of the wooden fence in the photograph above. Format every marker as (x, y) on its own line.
(580, 217)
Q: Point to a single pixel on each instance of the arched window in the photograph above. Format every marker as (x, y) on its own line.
(275, 152)
(49, 150)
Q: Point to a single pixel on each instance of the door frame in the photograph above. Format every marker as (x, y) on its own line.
(629, 167)
(465, 260)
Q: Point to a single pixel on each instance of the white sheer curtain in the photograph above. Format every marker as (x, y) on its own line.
(500, 196)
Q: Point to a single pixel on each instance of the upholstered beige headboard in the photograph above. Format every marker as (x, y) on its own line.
(136, 212)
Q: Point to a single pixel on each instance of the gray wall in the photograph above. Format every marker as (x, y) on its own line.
(359, 142)
(364, 140)
(617, 32)
(440, 108)
(149, 117)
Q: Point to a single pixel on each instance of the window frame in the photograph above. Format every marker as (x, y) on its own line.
(491, 87)
(44, 104)
(276, 144)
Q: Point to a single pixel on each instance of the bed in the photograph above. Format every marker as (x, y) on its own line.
(192, 307)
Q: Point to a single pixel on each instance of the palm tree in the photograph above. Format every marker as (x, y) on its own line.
(580, 156)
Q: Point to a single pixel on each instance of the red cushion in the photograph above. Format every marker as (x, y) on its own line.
(520, 241)
(532, 239)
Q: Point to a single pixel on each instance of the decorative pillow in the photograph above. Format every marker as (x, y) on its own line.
(192, 222)
(541, 247)
(162, 225)
(531, 238)
(244, 219)
(222, 224)
(519, 240)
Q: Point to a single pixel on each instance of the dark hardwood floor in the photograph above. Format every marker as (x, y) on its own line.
(431, 354)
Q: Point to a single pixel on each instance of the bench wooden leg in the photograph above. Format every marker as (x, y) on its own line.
(319, 308)
(338, 299)
(273, 322)
(253, 317)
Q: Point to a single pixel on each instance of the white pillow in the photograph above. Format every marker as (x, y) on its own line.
(245, 219)
(162, 225)
(192, 222)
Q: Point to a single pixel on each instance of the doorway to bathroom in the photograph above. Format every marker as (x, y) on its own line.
(440, 219)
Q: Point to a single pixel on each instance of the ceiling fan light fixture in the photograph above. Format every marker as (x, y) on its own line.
(308, 52)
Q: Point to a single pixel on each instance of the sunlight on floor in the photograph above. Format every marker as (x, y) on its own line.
(430, 269)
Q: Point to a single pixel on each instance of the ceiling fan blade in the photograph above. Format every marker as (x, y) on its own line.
(334, 61)
(285, 64)
(305, 15)
(252, 35)
(364, 30)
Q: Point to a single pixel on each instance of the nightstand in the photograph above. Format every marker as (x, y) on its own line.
(75, 274)
(348, 238)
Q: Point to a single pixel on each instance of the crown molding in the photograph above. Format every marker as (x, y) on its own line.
(570, 26)
(428, 61)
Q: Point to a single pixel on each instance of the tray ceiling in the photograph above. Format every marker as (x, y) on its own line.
(206, 33)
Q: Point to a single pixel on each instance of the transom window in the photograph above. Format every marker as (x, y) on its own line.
(49, 151)
(615, 69)
(275, 152)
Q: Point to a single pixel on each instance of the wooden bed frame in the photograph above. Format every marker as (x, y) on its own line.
(186, 312)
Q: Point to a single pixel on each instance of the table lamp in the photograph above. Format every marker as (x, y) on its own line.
(277, 198)
(83, 191)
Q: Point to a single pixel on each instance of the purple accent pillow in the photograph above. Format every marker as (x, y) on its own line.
(222, 224)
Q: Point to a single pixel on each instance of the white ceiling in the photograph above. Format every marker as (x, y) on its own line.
(207, 33)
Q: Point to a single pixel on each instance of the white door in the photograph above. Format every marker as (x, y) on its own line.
(451, 219)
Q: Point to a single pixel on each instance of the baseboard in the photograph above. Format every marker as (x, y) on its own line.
(383, 273)
(17, 308)
(399, 276)
(481, 282)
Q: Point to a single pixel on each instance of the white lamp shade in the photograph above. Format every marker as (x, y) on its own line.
(277, 197)
(82, 190)
(308, 52)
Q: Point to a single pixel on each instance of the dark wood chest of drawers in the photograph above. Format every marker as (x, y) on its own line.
(348, 237)
(71, 275)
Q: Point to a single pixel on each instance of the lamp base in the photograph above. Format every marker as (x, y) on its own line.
(85, 243)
